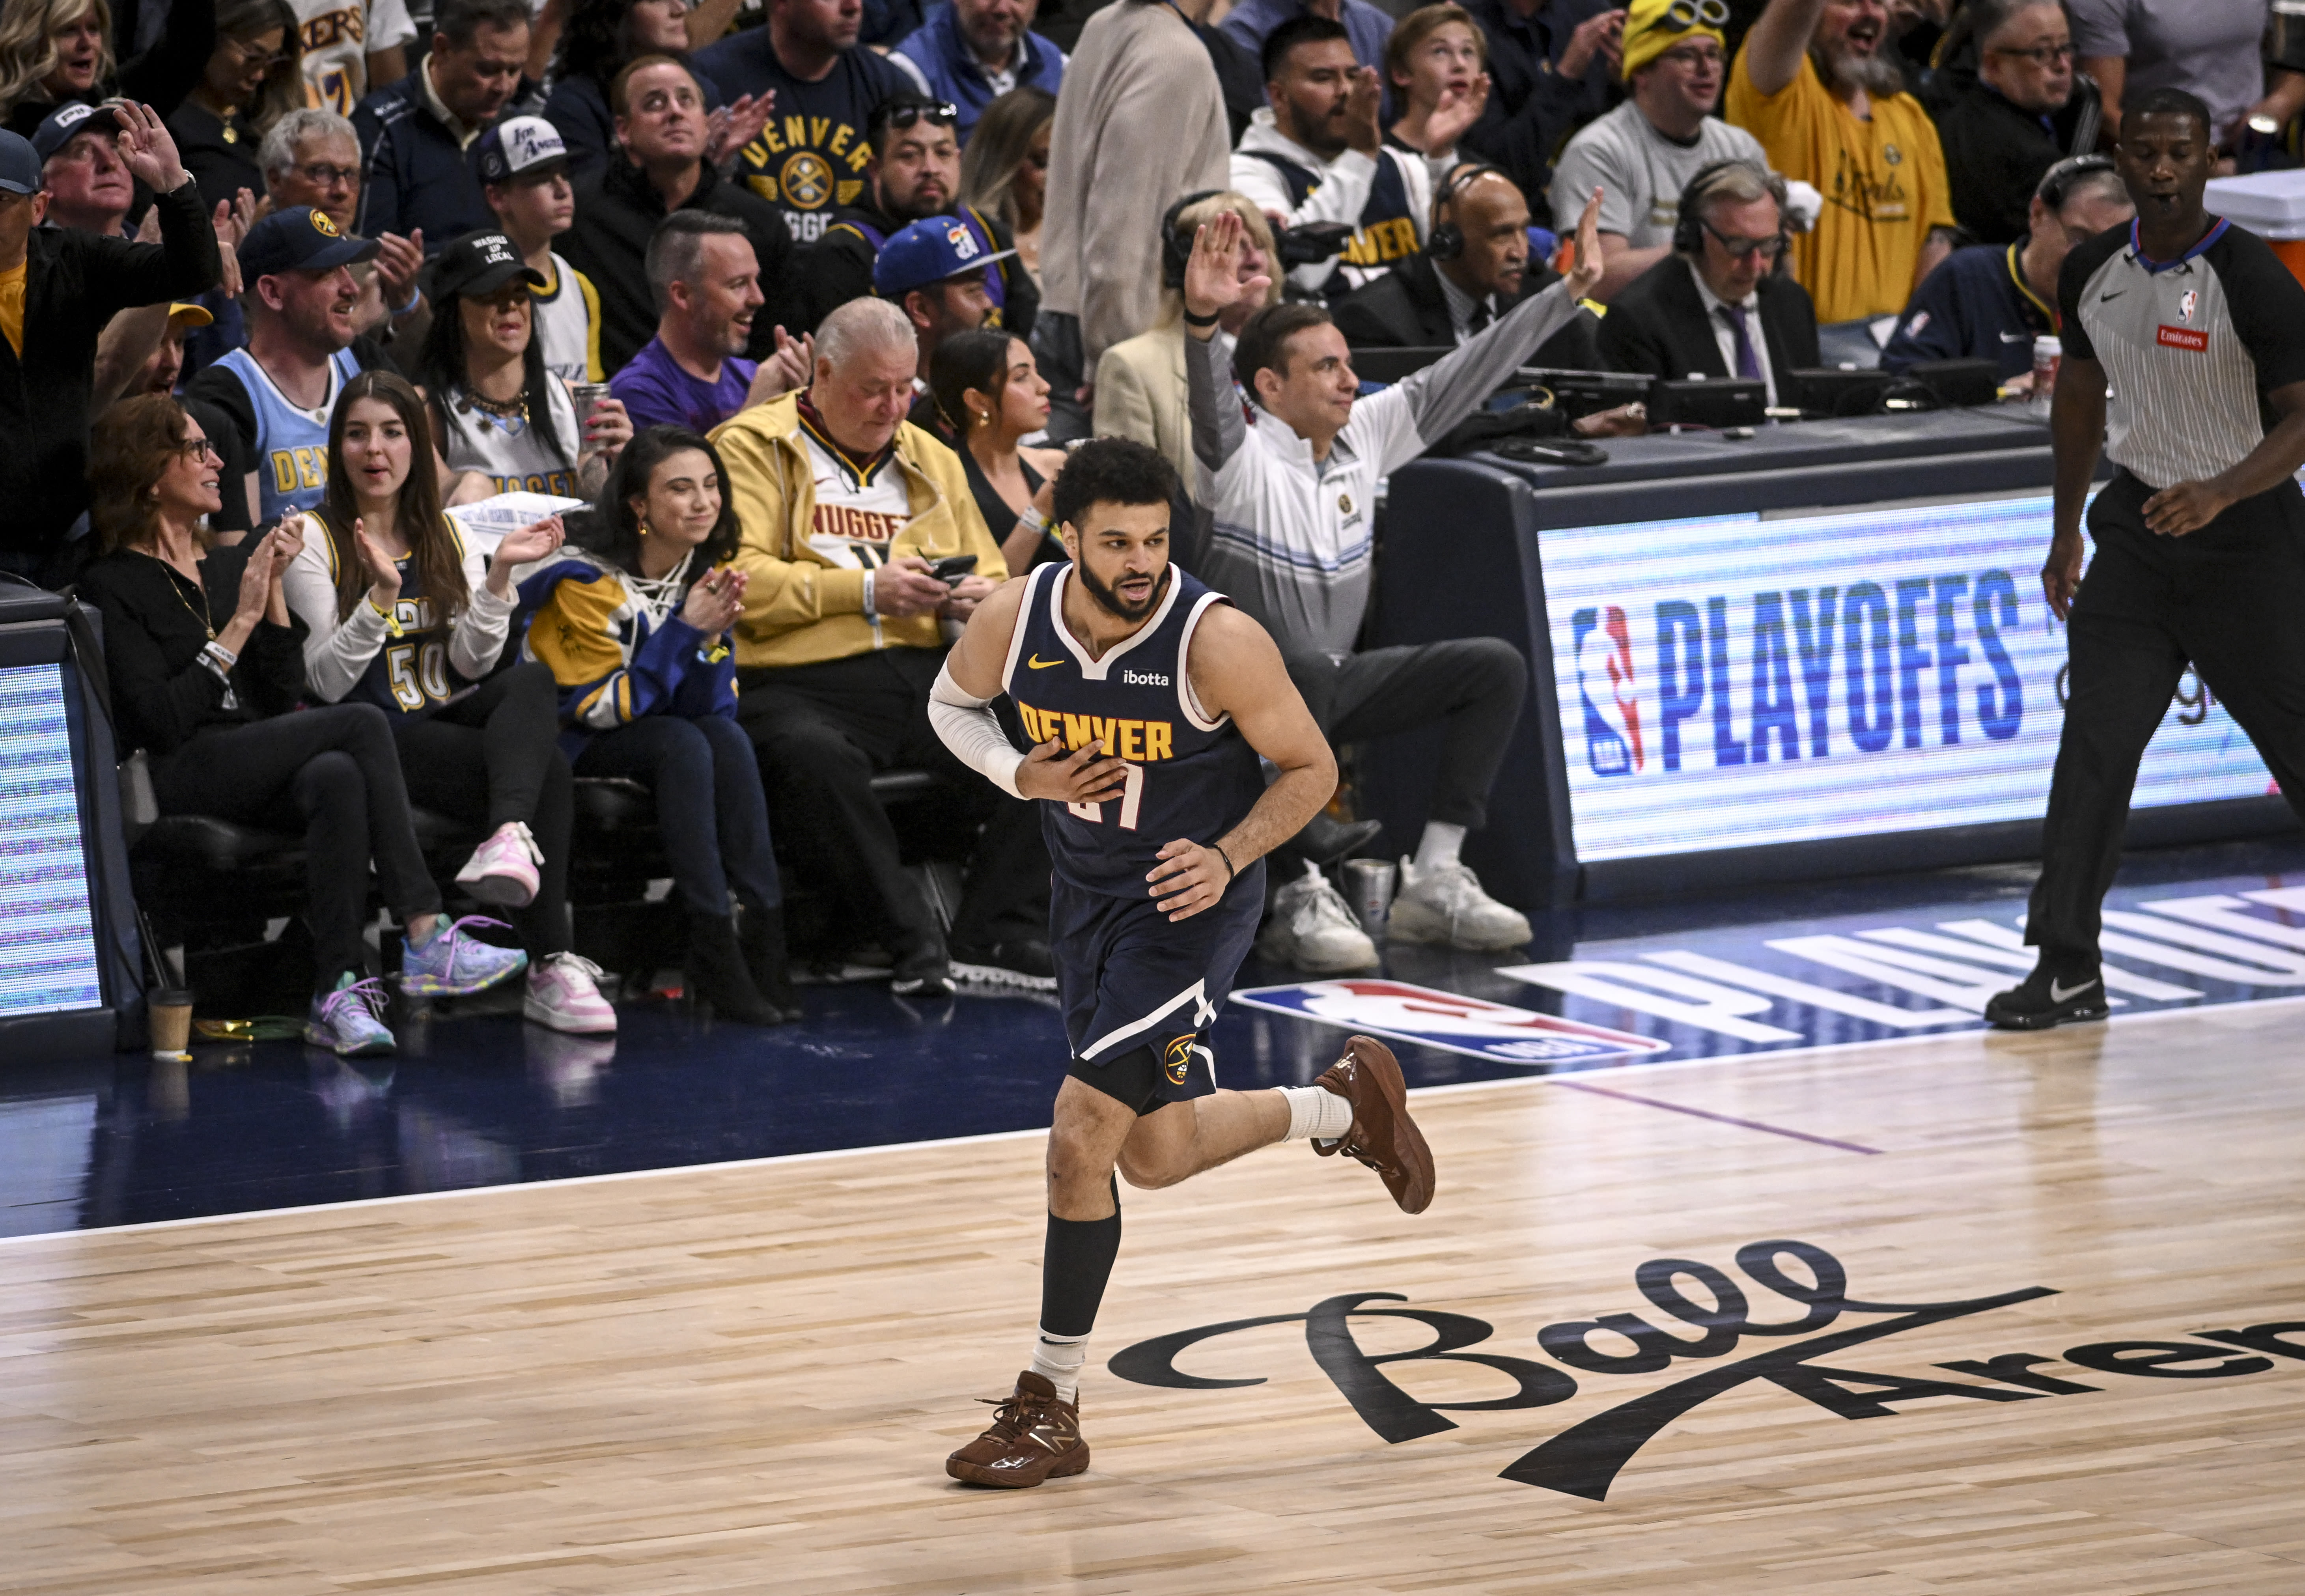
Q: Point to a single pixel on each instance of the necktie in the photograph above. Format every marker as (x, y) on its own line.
(1747, 363)
(1479, 319)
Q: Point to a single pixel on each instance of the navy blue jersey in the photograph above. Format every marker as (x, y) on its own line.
(1189, 775)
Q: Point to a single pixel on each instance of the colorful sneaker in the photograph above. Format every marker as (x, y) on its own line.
(349, 1022)
(1034, 1437)
(563, 993)
(1383, 1136)
(1445, 907)
(1311, 929)
(453, 964)
(502, 870)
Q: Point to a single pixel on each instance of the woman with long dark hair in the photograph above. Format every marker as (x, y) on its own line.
(255, 76)
(401, 611)
(637, 634)
(991, 394)
(206, 660)
(52, 51)
(501, 421)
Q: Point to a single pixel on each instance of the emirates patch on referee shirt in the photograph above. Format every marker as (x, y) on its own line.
(2181, 338)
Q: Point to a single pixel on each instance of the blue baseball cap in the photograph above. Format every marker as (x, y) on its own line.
(301, 239)
(67, 122)
(928, 252)
(20, 168)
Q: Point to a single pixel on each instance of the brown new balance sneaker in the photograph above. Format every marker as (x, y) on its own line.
(1382, 1136)
(1034, 1437)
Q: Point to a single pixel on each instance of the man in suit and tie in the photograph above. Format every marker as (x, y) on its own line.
(1474, 268)
(1715, 307)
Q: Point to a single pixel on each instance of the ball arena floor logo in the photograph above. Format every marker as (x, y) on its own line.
(1584, 1459)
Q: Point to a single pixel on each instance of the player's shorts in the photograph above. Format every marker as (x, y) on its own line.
(1130, 978)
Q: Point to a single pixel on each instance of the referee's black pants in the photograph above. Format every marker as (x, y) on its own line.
(2229, 600)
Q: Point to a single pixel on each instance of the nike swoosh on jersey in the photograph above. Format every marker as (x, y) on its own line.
(2058, 994)
(1039, 664)
(2116, 294)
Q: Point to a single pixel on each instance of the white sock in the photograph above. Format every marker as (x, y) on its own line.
(1439, 844)
(1315, 1111)
(1058, 1359)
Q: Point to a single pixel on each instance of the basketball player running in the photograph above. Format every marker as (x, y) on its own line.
(1150, 699)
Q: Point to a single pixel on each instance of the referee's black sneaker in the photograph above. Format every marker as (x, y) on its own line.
(2049, 998)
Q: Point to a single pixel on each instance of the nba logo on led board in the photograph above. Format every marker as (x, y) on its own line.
(1727, 680)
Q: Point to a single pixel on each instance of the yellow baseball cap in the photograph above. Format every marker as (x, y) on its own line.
(1652, 27)
(183, 313)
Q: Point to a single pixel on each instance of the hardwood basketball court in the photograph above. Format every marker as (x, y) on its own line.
(744, 1378)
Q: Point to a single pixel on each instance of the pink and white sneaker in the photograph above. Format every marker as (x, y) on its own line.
(564, 994)
(502, 870)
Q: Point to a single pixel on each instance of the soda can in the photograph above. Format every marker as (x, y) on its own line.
(587, 395)
(1369, 886)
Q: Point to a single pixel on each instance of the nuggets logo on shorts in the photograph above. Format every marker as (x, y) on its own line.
(1177, 1058)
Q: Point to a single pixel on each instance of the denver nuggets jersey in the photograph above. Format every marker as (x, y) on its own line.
(292, 442)
(1189, 775)
(410, 674)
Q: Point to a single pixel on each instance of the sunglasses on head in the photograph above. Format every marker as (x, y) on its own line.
(906, 114)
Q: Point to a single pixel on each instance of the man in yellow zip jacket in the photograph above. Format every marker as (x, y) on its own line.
(865, 555)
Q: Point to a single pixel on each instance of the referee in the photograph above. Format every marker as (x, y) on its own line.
(2200, 535)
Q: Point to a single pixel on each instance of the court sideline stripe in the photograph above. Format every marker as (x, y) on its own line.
(848, 1152)
(1750, 1125)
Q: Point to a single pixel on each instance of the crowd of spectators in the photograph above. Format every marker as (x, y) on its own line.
(801, 313)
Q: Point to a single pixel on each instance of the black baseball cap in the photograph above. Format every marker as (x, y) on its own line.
(301, 239)
(68, 121)
(480, 263)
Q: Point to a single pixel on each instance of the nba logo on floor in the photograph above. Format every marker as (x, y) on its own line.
(1443, 1020)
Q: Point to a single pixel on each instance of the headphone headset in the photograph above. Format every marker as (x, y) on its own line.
(1447, 240)
(2057, 184)
(1688, 226)
(1175, 251)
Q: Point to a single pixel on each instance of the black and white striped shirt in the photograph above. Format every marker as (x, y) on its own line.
(2191, 347)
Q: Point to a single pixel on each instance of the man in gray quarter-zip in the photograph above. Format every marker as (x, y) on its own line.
(2200, 535)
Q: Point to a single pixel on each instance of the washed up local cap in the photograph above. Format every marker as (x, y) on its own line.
(300, 239)
(67, 122)
(520, 144)
(480, 263)
(20, 168)
(929, 251)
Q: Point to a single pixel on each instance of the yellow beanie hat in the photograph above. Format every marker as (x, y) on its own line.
(1652, 27)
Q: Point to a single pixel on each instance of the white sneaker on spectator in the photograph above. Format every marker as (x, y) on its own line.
(502, 870)
(1444, 907)
(1312, 931)
(564, 994)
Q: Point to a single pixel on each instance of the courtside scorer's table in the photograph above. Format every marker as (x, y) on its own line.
(1821, 651)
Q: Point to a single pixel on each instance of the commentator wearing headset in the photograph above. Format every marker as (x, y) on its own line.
(1474, 268)
(1717, 306)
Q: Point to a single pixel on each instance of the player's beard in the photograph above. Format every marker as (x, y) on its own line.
(1111, 602)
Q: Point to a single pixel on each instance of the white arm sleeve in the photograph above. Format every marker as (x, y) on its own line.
(973, 732)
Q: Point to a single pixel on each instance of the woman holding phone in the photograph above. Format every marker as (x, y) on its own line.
(401, 611)
(636, 635)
